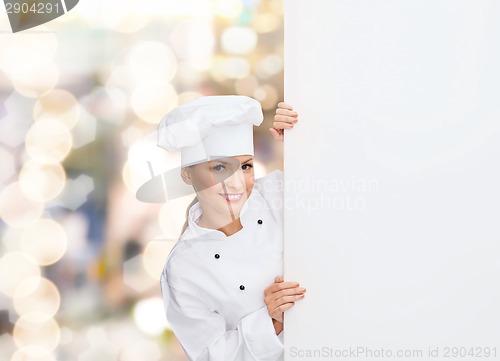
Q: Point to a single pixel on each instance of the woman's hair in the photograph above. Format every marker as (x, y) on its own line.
(187, 214)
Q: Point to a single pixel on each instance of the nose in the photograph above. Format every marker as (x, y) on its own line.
(236, 182)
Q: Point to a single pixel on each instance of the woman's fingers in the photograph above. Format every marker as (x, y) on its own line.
(282, 125)
(277, 312)
(275, 287)
(285, 119)
(287, 113)
(287, 295)
(284, 105)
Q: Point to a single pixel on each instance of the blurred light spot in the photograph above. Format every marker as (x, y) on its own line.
(15, 267)
(130, 135)
(267, 95)
(11, 238)
(259, 169)
(119, 76)
(48, 141)
(36, 79)
(37, 333)
(42, 182)
(16, 209)
(228, 8)
(45, 241)
(186, 97)
(129, 17)
(109, 104)
(236, 67)
(179, 9)
(154, 255)
(270, 65)
(58, 104)
(37, 294)
(189, 76)
(15, 125)
(67, 336)
(246, 86)
(76, 192)
(5, 83)
(7, 346)
(148, 316)
(101, 348)
(32, 353)
(193, 40)
(19, 49)
(172, 216)
(136, 277)
(136, 170)
(168, 220)
(265, 23)
(153, 100)
(135, 175)
(8, 165)
(129, 20)
(142, 350)
(150, 61)
(239, 40)
(84, 132)
(277, 6)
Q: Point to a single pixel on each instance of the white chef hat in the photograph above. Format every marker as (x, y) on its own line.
(207, 128)
(211, 126)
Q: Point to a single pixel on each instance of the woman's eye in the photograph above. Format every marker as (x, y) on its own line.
(218, 168)
(247, 166)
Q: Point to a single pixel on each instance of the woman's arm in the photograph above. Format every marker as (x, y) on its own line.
(203, 336)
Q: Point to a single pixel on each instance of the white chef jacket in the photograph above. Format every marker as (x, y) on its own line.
(213, 285)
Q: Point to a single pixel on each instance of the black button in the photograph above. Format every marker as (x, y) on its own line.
(217, 256)
(242, 287)
(259, 221)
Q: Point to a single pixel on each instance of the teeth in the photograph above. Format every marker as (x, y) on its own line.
(232, 196)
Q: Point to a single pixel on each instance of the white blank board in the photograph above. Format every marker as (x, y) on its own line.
(392, 213)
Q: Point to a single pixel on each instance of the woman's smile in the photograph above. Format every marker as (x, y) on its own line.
(232, 197)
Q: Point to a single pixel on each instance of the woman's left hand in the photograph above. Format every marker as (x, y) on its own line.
(281, 296)
(285, 118)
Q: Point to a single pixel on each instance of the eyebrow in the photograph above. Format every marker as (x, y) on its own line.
(221, 161)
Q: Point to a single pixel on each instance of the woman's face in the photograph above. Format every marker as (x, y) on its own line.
(222, 185)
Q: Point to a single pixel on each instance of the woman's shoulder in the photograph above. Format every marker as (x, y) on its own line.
(185, 258)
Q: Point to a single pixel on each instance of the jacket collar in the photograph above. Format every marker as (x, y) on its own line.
(195, 231)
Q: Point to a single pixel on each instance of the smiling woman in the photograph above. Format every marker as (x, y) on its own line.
(222, 190)
(221, 292)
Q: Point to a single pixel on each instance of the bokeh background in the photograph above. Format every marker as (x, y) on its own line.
(80, 257)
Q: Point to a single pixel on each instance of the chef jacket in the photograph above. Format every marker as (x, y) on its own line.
(213, 284)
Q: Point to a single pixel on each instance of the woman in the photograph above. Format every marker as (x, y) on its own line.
(222, 297)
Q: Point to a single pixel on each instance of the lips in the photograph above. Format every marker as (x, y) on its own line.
(232, 197)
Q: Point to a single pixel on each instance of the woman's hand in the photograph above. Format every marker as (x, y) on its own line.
(281, 296)
(285, 118)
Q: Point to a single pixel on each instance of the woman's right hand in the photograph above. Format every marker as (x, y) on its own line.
(285, 118)
(281, 296)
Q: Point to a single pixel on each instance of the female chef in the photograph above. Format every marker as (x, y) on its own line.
(222, 297)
